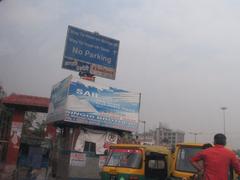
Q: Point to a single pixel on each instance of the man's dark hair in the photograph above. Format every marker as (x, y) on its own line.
(220, 139)
(206, 146)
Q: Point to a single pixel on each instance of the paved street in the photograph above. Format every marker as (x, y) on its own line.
(22, 174)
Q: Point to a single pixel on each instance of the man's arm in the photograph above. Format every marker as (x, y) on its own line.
(197, 166)
(195, 162)
(235, 163)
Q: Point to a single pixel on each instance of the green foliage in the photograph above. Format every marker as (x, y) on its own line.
(2, 93)
(33, 126)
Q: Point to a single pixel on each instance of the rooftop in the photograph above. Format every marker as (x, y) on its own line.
(26, 102)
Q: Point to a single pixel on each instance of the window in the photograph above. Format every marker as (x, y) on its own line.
(130, 158)
(183, 158)
(156, 164)
(89, 147)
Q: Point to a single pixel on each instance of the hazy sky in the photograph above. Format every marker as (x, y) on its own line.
(182, 55)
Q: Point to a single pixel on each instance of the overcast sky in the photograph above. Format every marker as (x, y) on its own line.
(182, 55)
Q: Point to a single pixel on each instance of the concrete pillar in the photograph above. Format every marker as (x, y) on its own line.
(64, 154)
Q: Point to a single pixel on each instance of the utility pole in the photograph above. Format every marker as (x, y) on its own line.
(195, 135)
(224, 119)
(144, 124)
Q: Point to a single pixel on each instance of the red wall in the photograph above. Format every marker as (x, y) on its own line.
(14, 141)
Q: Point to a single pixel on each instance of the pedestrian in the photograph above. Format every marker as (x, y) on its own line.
(207, 145)
(200, 176)
(217, 160)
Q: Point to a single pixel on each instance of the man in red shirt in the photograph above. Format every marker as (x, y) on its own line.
(216, 160)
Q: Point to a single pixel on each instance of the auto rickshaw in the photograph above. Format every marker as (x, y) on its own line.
(182, 168)
(136, 162)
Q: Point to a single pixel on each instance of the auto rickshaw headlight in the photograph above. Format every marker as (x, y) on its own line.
(121, 178)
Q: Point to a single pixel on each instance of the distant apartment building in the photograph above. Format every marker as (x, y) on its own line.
(162, 136)
(147, 138)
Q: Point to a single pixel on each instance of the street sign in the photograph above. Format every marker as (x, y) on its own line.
(90, 53)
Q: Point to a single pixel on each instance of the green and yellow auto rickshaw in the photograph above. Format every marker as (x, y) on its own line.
(137, 162)
(182, 168)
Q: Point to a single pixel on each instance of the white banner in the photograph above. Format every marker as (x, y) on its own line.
(102, 139)
(78, 159)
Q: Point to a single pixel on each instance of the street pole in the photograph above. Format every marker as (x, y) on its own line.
(224, 119)
(144, 135)
(144, 124)
(195, 135)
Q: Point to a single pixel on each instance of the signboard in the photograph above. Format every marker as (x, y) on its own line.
(90, 53)
(102, 160)
(102, 139)
(58, 100)
(93, 104)
(77, 159)
(16, 132)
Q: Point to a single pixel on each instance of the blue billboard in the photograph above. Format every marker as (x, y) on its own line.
(99, 105)
(59, 93)
(90, 53)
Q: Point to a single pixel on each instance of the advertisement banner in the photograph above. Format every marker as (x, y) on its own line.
(56, 109)
(93, 104)
(90, 53)
(15, 136)
(84, 102)
(77, 159)
(102, 140)
(102, 160)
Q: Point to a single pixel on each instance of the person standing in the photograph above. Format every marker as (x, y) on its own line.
(207, 145)
(216, 160)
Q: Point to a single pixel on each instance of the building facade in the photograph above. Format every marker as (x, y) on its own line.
(162, 136)
(17, 138)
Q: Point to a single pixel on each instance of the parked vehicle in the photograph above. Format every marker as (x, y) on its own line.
(182, 168)
(137, 162)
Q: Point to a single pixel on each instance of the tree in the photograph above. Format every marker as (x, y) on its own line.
(2, 93)
(34, 125)
(28, 122)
